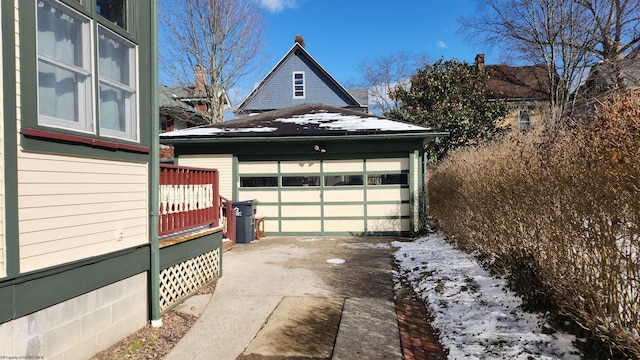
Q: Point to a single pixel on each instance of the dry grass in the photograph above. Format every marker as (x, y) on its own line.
(558, 212)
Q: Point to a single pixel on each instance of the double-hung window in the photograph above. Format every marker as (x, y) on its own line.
(298, 85)
(87, 73)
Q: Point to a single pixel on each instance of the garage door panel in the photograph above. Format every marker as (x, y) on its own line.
(300, 226)
(356, 226)
(379, 225)
(301, 211)
(354, 166)
(394, 164)
(344, 210)
(261, 196)
(395, 210)
(267, 210)
(389, 194)
(343, 195)
(258, 167)
(300, 196)
(294, 167)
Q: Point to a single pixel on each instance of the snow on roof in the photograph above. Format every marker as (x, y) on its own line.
(302, 120)
(348, 122)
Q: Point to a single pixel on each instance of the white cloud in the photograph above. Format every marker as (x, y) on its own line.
(276, 6)
(441, 44)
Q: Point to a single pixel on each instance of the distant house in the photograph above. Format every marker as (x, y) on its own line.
(601, 81)
(525, 89)
(299, 79)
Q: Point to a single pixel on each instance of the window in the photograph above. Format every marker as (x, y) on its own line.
(64, 68)
(387, 179)
(343, 180)
(301, 181)
(67, 73)
(298, 85)
(258, 181)
(524, 120)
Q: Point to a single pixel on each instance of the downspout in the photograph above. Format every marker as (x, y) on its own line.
(154, 176)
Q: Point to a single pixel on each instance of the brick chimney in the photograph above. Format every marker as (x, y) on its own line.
(200, 79)
(480, 62)
(300, 40)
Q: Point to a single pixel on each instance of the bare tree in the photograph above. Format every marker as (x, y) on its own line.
(616, 33)
(383, 74)
(216, 41)
(554, 33)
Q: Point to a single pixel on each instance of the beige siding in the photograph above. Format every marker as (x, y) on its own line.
(344, 195)
(223, 163)
(71, 208)
(296, 196)
(388, 225)
(390, 210)
(383, 194)
(301, 210)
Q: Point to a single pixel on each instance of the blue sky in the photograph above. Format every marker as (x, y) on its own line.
(340, 34)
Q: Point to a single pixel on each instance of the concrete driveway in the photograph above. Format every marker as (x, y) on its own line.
(300, 298)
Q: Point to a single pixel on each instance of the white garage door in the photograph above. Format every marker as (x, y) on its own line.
(326, 197)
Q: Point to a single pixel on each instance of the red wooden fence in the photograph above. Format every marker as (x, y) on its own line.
(189, 199)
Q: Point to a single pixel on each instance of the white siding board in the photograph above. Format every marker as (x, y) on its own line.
(223, 163)
(393, 210)
(383, 194)
(344, 225)
(70, 207)
(343, 195)
(302, 225)
(343, 210)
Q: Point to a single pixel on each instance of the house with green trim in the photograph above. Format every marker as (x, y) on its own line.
(317, 169)
(82, 264)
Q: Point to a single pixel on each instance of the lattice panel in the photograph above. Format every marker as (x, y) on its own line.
(181, 280)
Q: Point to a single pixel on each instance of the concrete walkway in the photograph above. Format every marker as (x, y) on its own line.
(279, 298)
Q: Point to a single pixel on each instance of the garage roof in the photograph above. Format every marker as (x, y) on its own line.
(301, 121)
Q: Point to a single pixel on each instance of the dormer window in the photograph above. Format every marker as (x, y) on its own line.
(298, 85)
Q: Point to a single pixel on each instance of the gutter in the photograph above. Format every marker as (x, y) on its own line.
(291, 139)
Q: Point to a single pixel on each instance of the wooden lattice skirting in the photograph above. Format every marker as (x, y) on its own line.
(183, 279)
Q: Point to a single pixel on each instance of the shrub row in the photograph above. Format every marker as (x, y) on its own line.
(559, 213)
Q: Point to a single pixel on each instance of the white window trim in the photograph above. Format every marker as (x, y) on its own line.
(304, 85)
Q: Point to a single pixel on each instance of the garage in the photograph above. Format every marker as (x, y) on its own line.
(317, 170)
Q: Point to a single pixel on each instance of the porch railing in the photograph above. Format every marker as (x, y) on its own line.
(189, 199)
(228, 216)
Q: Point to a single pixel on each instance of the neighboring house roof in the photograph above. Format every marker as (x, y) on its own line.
(517, 82)
(171, 106)
(306, 120)
(602, 77)
(268, 95)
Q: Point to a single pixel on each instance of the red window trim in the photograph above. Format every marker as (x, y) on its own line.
(76, 139)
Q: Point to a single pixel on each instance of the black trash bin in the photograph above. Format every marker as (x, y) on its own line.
(245, 220)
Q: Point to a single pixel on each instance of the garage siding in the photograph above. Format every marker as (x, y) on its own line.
(329, 197)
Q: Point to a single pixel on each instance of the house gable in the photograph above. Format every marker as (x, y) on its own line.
(276, 90)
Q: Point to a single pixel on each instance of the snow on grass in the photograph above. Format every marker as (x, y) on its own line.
(475, 313)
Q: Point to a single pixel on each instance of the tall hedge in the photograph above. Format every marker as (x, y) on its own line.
(560, 212)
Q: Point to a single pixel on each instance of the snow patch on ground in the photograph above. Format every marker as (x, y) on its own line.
(475, 313)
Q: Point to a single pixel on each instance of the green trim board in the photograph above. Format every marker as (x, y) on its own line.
(34, 291)
(10, 143)
(177, 253)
